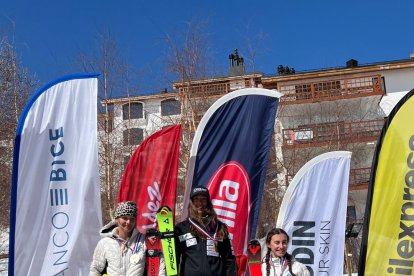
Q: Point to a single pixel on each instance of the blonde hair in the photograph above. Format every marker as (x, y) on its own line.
(211, 216)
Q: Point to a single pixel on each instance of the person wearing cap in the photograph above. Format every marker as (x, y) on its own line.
(203, 245)
(121, 251)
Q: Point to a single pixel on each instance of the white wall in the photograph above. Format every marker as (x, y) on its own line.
(398, 80)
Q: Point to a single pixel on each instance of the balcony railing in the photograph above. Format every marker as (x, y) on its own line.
(213, 89)
(344, 132)
(332, 89)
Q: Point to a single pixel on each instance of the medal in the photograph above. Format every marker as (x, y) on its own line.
(212, 249)
(134, 259)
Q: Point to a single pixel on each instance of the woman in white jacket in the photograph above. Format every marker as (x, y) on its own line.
(277, 261)
(122, 249)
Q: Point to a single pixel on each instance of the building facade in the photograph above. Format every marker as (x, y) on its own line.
(342, 108)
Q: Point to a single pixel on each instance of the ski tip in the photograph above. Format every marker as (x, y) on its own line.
(164, 210)
(254, 242)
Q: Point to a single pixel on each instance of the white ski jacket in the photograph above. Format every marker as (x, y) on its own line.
(298, 269)
(114, 253)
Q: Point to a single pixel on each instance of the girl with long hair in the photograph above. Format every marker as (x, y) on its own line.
(202, 241)
(277, 260)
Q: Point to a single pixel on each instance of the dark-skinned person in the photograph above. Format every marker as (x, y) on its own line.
(277, 260)
(203, 244)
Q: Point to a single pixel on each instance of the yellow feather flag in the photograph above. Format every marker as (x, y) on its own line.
(388, 240)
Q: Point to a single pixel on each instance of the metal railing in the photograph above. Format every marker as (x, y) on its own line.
(210, 89)
(331, 89)
(345, 132)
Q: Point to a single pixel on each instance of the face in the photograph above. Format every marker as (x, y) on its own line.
(126, 224)
(200, 202)
(278, 245)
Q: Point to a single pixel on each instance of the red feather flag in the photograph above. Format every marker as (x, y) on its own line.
(150, 178)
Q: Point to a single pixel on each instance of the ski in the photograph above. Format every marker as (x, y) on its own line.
(254, 258)
(154, 251)
(166, 227)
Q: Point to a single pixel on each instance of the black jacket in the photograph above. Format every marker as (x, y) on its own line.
(192, 254)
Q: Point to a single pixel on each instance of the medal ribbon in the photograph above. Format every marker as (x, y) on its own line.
(135, 250)
(282, 262)
(126, 245)
(199, 228)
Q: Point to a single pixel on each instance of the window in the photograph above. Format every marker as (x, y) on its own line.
(132, 111)
(170, 107)
(105, 122)
(327, 85)
(133, 136)
(109, 126)
(303, 91)
(351, 213)
(379, 84)
(303, 134)
(353, 225)
(126, 160)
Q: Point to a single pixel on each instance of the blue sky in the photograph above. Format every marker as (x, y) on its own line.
(50, 35)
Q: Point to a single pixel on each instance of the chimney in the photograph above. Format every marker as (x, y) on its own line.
(351, 63)
(236, 64)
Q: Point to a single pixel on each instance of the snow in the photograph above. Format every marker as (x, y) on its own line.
(4, 249)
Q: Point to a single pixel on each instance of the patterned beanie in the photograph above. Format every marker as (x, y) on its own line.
(126, 208)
